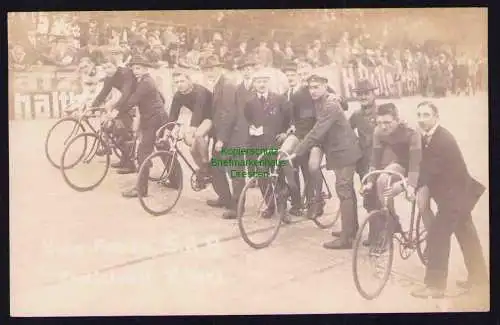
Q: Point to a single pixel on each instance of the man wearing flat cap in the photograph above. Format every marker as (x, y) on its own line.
(224, 117)
(122, 79)
(152, 115)
(269, 119)
(240, 136)
(336, 137)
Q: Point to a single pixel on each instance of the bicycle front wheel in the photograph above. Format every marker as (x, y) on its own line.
(85, 172)
(329, 213)
(163, 173)
(260, 215)
(372, 259)
(58, 137)
(421, 234)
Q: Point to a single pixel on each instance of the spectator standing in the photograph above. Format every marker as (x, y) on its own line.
(264, 54)
(278, 55)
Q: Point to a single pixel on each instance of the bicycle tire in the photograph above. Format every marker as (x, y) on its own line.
(77, 123)
(98, 143)
(240, 213)
(174, 164)
(421, 241)
(358, 244)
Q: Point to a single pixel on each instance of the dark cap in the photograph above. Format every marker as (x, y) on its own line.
(317, 75)
(211, 62)
(140, 60)
(289, 66)
(245, 62)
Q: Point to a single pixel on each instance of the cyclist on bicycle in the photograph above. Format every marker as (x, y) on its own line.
(268, 118)
(396, 147)
(151, 106)
(198, 100)
(122, 79)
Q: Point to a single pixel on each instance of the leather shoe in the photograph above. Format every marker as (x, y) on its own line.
(119, 164)
(336, 233)
(230, 214)
(133, 193)
(267, 214)
(338, 244)
(295, 211)
(428, 292)
(218, 203)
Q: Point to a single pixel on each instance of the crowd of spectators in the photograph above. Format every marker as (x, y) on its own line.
(62, 39)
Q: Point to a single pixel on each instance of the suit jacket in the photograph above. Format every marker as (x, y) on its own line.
(444, 171)
(273, 116)
(240, 135)
(334, 133)
(224, 109)
(123, 80)
(150, 102)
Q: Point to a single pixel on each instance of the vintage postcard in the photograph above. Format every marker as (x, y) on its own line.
(248, 162)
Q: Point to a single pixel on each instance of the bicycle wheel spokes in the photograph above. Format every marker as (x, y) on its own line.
(421, 240)
(84, 169)
(329, 214)
(163, 173)
(372, 261)
(59, 136)
(259, 216)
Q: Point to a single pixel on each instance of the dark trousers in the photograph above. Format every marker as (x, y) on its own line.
(344, 185)
(424, 85)
(146, 148)
(450, 220)
(362, 168)
(221, 185)
(293, 179)
(122, 129)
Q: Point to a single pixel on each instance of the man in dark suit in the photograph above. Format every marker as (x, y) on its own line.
(240, 135)
(224, 118)
(269, 118)
(338, 140)
(444, 172)
(152, 115)
(124, 80)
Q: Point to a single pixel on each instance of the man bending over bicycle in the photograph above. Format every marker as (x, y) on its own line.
(123, 79)
(198, 100)
(398, 148)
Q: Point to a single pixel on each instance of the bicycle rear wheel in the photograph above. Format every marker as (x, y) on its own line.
(58, 137)
(84, 173)
(257, 231)
(164, 182)
(421, 237)
(370, 278)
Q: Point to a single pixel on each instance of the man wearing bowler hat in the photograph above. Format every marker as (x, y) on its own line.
(152, 115)
(338, 140)
(224, 118)
(240, 136)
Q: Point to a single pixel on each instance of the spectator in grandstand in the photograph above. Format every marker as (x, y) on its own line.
(143, 30)
(264, 54)
(61, 54)
(18, 59)
(289, 55)
(169, 37)
(423, 73)
(278, 55)
(192, 58)
(241, 51)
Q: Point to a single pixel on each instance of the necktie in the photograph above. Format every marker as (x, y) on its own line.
(427, 139)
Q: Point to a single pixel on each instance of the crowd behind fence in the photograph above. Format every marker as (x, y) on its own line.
(45, 48)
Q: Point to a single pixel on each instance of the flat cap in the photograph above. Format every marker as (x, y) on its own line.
(318, 75)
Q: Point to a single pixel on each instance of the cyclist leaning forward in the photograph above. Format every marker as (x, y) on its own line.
(396, 147)
(124, 80)
(198, 100)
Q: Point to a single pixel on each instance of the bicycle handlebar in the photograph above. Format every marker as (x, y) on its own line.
(164, 126)
(280, 155)
(386, 172)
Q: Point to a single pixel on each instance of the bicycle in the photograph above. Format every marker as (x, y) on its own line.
(167, 152)
(380, 241)
(75, 122)
(278, 196)
(103, 142)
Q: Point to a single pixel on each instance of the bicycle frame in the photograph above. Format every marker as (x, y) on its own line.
(406, 238)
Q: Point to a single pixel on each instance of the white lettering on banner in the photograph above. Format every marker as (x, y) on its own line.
(41, 105)
(22, 106)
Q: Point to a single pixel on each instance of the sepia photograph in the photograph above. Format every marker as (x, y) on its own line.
(237, 162)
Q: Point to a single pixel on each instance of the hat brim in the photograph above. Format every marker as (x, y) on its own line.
(142, 64)
(313, 78)
(209, 66)
(360, 90)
